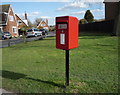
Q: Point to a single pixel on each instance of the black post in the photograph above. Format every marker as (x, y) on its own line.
(67, 67)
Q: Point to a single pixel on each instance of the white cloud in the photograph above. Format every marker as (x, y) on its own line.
(21, 14)
(90, 0)
(46, 17)
(58, 0)
(51, 20)
(83, 12)
(35, 13)
(100, 16)
(35, 0)
(72, 6)
(28, 14)
(78, 13)
(97, 10)
(80, 4)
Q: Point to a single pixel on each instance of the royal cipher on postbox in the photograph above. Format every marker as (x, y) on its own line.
(66, 32)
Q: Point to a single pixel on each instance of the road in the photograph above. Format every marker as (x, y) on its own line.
(13, 41)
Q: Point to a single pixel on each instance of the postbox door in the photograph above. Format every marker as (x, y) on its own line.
(61, 35)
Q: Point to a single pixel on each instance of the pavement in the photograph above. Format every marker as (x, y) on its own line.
(51, 34)
(4, 92)
(13, 41)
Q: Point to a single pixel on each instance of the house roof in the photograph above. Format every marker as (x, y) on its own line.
(41, 22)
(4, 9)
(25, 21)
(21, 20)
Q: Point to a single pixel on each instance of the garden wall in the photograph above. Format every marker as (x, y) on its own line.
(98, 27)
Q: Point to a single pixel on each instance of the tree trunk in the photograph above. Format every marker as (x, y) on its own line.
(24, 37)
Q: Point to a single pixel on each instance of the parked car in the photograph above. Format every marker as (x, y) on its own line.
(44, 31)
(7, 35)
(33, 32)
(1, 35)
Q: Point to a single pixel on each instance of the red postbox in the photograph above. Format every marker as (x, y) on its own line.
(66, 32)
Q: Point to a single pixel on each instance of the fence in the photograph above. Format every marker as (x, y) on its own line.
(98, 27)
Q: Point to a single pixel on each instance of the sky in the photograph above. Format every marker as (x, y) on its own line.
(49, 9)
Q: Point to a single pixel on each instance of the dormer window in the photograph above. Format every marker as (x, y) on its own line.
(19, 22)
(42, 24)
(11, 18)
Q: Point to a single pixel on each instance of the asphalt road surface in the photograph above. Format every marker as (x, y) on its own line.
(13, 41)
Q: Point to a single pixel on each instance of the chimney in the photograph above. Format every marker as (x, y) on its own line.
(25, 15)
(26, 20)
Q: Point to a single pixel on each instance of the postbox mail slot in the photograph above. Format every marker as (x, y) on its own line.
(62, 26)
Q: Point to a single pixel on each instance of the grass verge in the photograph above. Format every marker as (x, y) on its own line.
(38, 67)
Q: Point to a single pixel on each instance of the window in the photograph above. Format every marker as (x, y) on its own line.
(11, 18)
(1, 29)
(30, 30)
(42, 24)
(45, 28)
(19, 22)
(14, 29)
(36, 29)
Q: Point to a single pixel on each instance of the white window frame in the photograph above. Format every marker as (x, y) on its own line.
(11, 18)
(43, 24)
(15, 28)
(20, 23)
(45, 28)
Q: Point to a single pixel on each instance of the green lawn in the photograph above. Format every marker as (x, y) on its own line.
(38, 67)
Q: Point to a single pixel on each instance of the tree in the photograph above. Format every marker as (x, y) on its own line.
(83, 21)
(52, 28)
(24, 32)
(37, 21)
(30, 24)
(89, 16)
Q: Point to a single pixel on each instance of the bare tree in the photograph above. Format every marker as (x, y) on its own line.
(30, 24)
(37, 21)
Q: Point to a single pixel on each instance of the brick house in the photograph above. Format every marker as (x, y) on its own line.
(43, 25)
(111, 9)
(9, 21)
(112, 12)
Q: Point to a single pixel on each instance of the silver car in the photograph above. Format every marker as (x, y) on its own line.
(33, 32)
(1, 35)
(7, 35)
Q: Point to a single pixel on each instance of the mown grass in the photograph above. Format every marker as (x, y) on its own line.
(38, 67)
